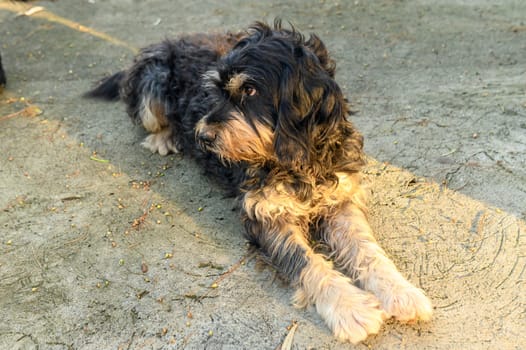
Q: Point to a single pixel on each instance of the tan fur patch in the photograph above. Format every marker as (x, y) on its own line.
(270, 203)
(278, 198)
(236, 82)
(153, 115)
(239, 141)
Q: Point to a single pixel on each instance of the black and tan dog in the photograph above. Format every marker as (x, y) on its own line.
(262, 112)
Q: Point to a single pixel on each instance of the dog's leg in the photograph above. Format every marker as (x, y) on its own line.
(153, 118)
(351, 313)
(354, 249)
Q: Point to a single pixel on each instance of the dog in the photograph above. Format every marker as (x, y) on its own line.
(262, 112)
(2, 75)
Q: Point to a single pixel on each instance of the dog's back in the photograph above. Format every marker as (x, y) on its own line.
(163, 92)
(163, 86)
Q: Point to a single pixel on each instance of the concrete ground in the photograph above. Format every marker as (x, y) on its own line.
(106, 246)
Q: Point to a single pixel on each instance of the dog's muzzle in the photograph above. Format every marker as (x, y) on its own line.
(204, 135)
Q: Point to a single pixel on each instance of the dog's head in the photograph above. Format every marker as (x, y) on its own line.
(277, 101)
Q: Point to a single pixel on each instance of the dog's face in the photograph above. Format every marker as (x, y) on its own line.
(240, 126)
(275, 101)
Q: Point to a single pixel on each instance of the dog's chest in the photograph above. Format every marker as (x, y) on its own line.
(280, 199)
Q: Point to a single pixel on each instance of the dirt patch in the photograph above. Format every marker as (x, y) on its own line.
(104, 245)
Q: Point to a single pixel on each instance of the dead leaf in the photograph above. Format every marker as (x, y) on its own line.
(33, 111)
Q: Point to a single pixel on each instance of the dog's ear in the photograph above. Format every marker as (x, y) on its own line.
(291, 136)
(318, 48)
(311, 112)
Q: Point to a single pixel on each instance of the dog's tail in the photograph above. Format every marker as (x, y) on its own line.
(107, 89)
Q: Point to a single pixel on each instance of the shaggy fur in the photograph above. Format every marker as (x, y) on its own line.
(262, 112)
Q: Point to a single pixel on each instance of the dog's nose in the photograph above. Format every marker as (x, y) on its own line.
(207, 136)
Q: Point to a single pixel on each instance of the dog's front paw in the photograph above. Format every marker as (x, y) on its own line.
(161, 143)
(351, 313)
(408, 304)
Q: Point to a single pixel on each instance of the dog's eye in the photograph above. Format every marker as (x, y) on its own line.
(250, 91)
